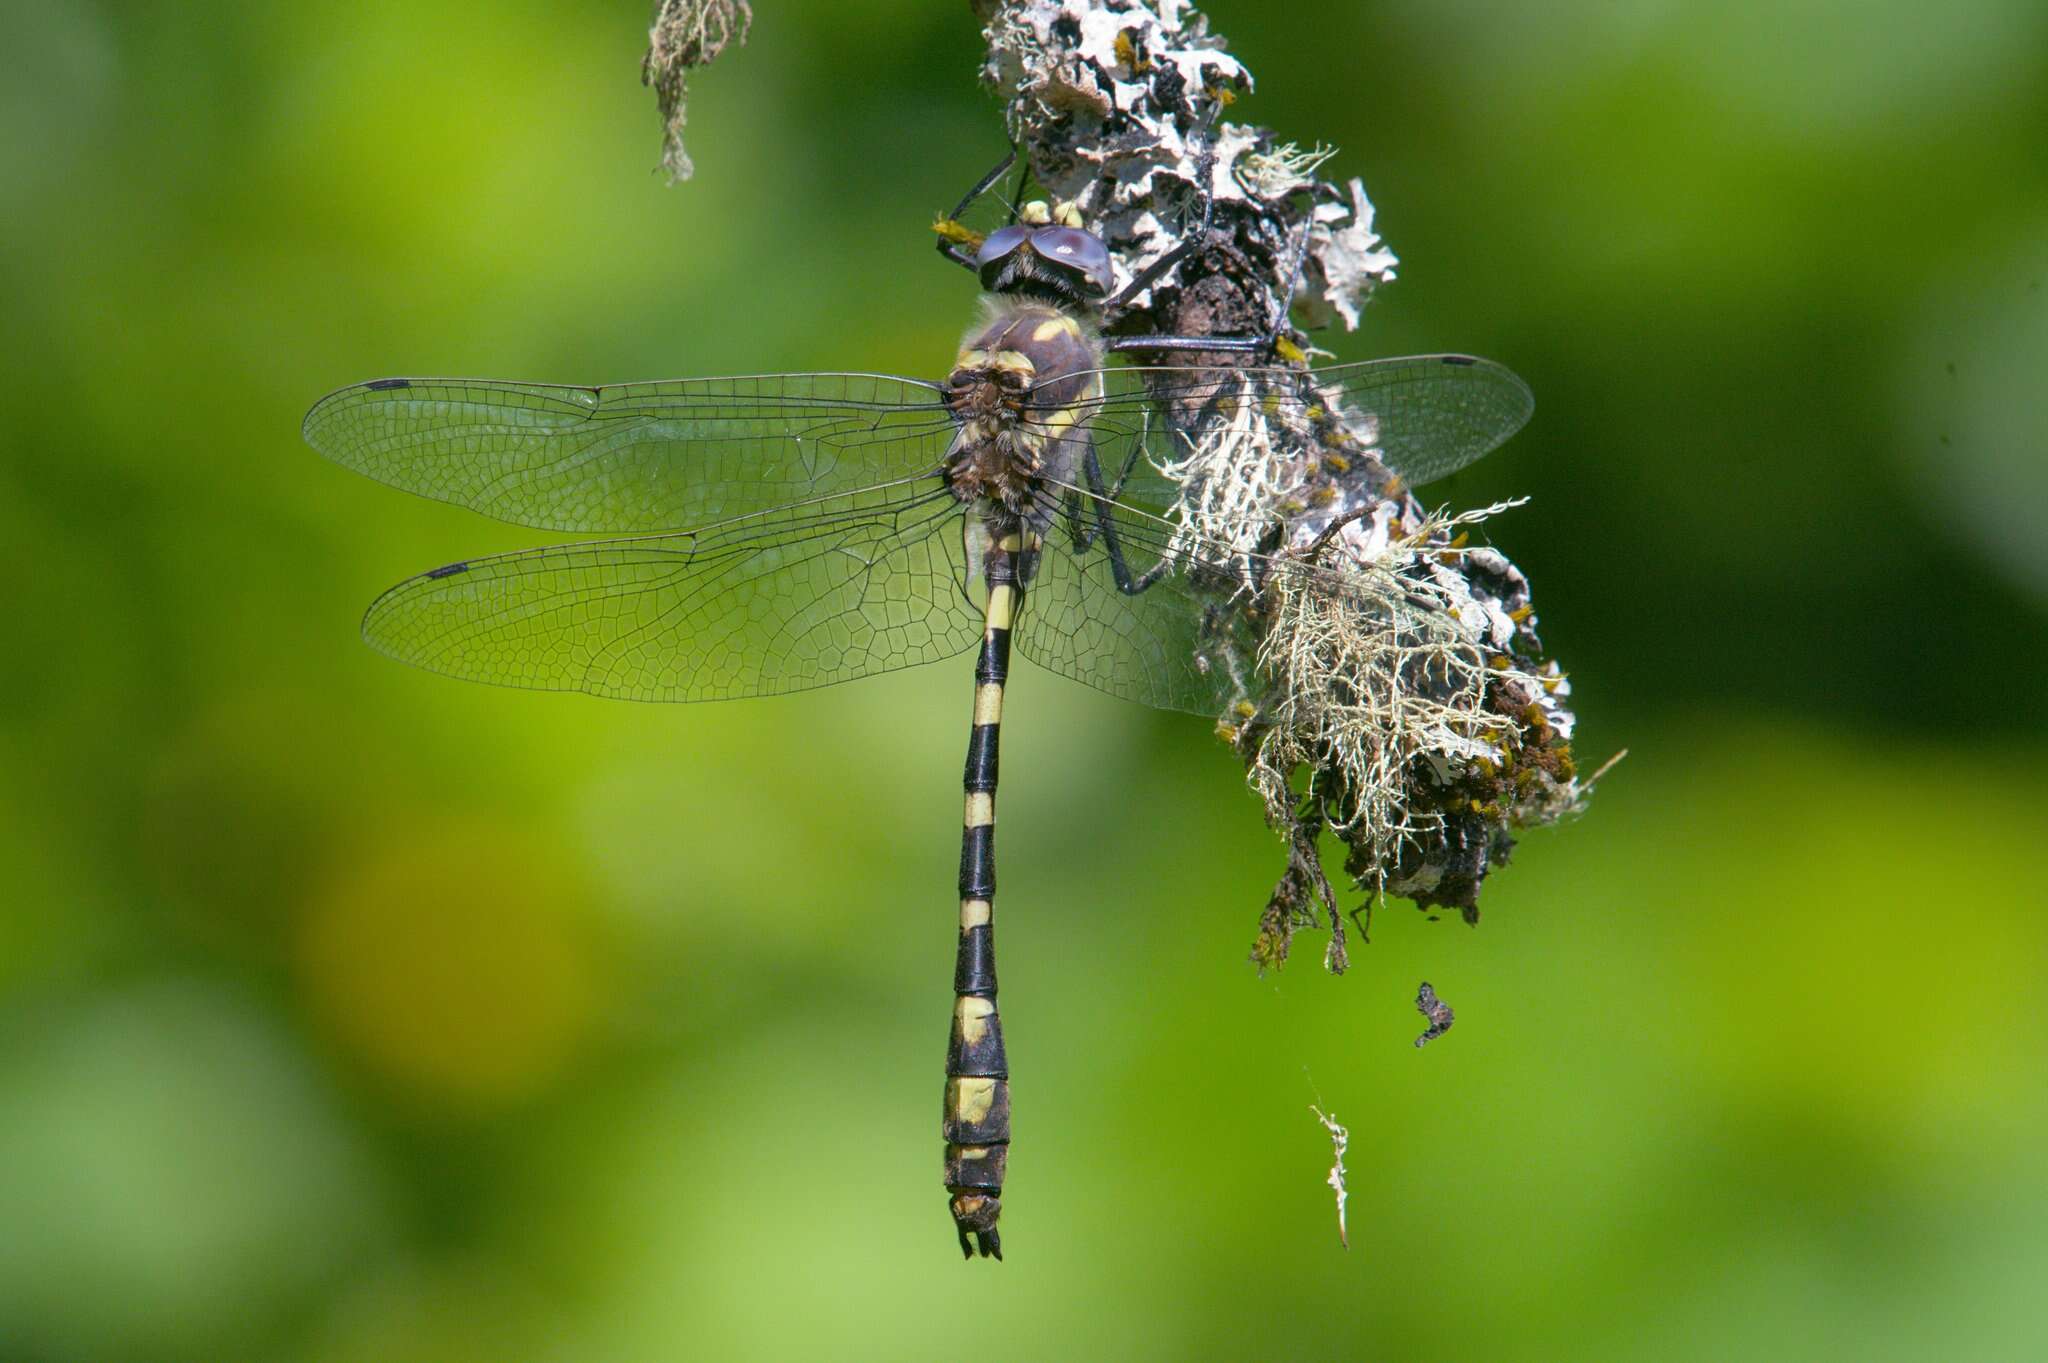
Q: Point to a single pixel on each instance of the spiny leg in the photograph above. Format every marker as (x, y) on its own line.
(1127, 582)
(1191, 242)
(953, 250)
(1264, 344)
(976, 1119)
(1081, 532)
(1204, 240)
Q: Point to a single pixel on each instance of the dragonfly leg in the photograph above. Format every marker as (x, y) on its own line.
(1203, 241)
(1127, 582)
(1264, 344)
(1191, 243)
(957, 252)
(1080, 530)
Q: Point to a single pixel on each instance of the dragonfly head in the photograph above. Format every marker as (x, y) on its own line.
(1046, 254)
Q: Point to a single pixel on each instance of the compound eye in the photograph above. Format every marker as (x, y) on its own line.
(1077, 250)
(1000, 243)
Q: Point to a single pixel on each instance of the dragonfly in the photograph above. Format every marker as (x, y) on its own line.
(772, 533)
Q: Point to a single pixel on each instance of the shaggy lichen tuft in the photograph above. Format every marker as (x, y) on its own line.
(686, 34)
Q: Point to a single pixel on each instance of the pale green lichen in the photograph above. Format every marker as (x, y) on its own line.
(1229, 482)
(686, 34)
(1373, 673)
(1282, 170)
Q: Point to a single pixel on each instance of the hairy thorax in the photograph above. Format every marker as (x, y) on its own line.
(1014, 391)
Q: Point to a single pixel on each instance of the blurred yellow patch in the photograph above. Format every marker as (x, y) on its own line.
(457, 961)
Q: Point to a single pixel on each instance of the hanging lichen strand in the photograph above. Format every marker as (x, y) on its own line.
(685, 35)
(1410, 712)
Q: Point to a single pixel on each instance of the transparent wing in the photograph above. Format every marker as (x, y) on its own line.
(1129, 603)
(1431, 414)
(802, 596)
(1185, 639)
(633, 457)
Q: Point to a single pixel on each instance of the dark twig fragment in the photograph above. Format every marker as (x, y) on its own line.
(1436, 1010)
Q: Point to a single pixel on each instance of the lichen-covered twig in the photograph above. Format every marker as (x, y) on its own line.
(686, 34)
(1411, 711)
(1118, 105)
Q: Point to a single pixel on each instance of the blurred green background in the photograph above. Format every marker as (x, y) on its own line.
(349, 1013)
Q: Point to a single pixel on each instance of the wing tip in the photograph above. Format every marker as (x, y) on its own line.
(310, 426)
(1496, 370)
(398, 601)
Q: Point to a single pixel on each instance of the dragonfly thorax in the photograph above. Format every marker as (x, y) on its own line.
(1014, 390)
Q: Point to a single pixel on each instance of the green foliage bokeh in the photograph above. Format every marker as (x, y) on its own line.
(350, 1013)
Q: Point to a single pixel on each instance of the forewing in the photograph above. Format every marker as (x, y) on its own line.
(799, 597)
(1429, 415)
(633, 457)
